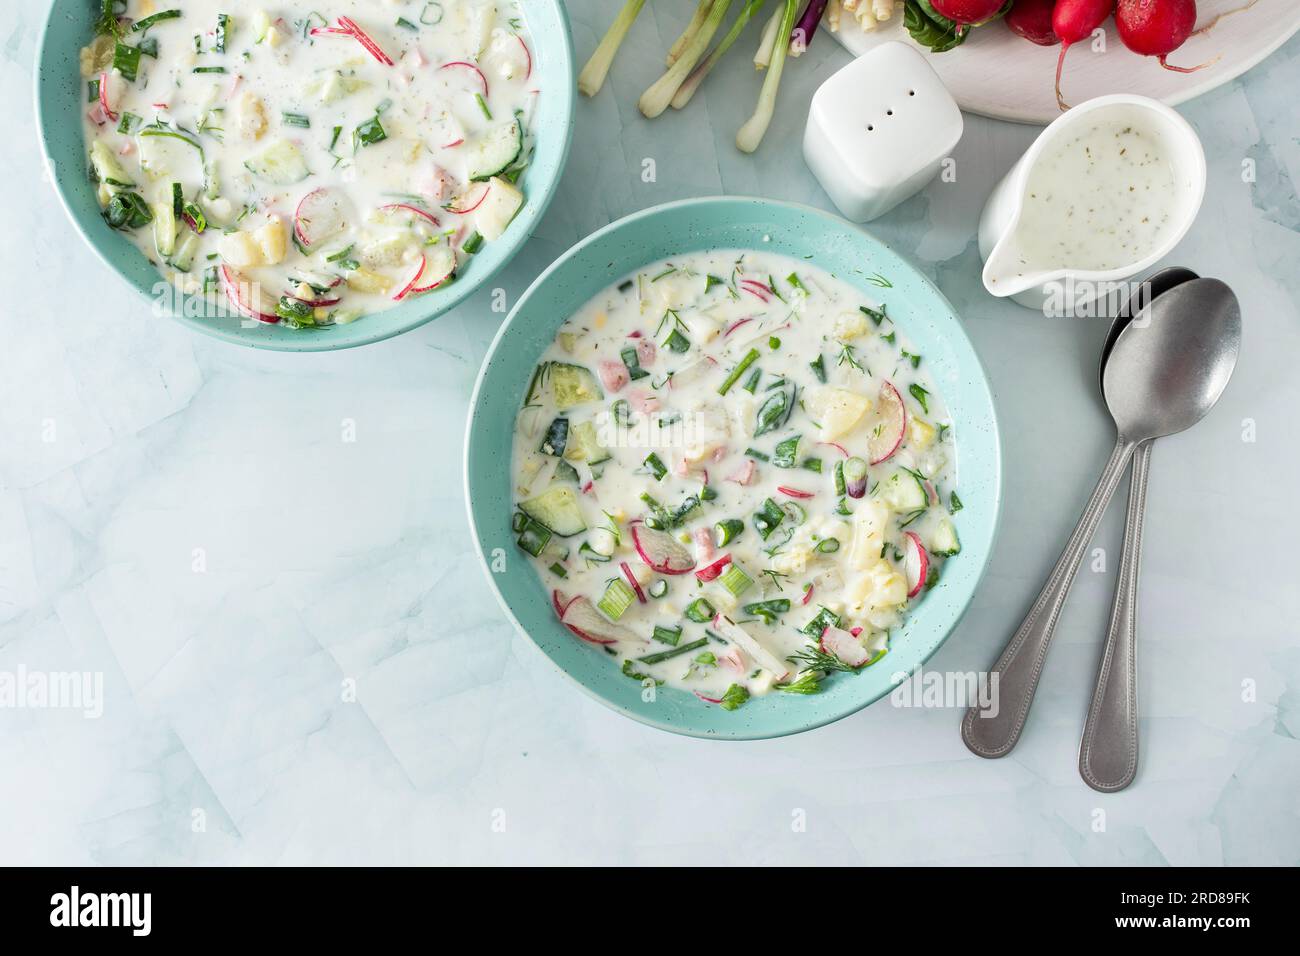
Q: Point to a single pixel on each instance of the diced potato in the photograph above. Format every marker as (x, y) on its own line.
(97, 57)
(879, 587)
(499, 207)
(920, 433)
(850, 325)
(363, 280)
(240, 249)
(836, 410)
(273, 239)
(250, 116)
(260, 22)
(868, 533)
(386, 251)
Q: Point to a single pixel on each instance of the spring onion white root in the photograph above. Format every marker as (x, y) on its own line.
(592, 77)
(656, 99)
(751, 134)
(687, 89)
(697, 20)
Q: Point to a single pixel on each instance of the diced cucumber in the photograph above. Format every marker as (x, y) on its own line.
(280, 163)
(573, 385)
(164, 228)
(557, 508)
(944, 541)
(492, 153)
(107, 169)
(183, 258)
(556, 438)
(499, 206)
(584, 446)
(904, 492)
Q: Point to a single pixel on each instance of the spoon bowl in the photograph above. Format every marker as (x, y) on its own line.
(1171, 363)
(1153, 285)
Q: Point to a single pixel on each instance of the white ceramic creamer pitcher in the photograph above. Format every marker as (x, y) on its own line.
(1027, 255)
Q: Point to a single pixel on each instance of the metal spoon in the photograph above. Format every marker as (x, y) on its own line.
(1166, 370)
(1108, 752)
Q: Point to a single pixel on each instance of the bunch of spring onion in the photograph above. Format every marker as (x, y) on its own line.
(690, 59)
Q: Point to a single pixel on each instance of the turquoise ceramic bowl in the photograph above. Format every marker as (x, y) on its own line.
(60, 100)
(730, 223)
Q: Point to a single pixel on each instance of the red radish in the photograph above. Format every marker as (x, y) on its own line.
(1032, 19)
(528, 54)
(631, 579)
(707, 700)
(709, 573)
(794, 492)
(844, 646)
(643, 401)
(1072, 21)
(410, 284)
(733, 659)
(364, 39)
(582, 618)
(837, 446)
(661, 551)
(807, 595)
(891, 425)
(737, 324)
(246, 297)
(1157, 28)
(413, 210)
(463, 205)
(916, 564)
(855, 631)
(464, 65)
(967, 12)
(320, 215)
(439, 268)
(613, 375)
(756, 289)
(104, 80)
(560, 601)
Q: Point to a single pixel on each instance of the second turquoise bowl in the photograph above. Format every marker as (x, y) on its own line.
(60, 96)
(925, 317)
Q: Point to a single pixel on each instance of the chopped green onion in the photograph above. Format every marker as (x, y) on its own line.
(482, 105)
(786, 453)
(145, 23)
(750, 358)
(825, 618)
(658, 589)
(473, 244)
(662, 656)
(827, 546)
(727, 531)
(126, 60)
(699, 611)
(618, 597)
(656, 466)
(535, 537)
(296, 119)
(819, 368)
(667, 635)
(736, 581)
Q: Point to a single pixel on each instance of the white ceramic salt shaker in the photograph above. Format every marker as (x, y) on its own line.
(879, 130)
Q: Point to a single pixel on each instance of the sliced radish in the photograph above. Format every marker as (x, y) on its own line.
(807, 595)
(246, 297)
(916, 563)
(364, 39)
(413, 210)
(410, 283)
(704, 549)
(631, 579)
(837, 446)
(710, 572)
(321, 214)
(560, 601)
(756, 289)
(465, 204)
(794, 492)
(646, 352)
(582, 618)
(661, 551)
(844, 646)
(463, 65)
(737, 324)
(104, 102)
(439, 269)
(707, 700)
(891, 424)
(737, 635)
(527, 55)
(643, 401)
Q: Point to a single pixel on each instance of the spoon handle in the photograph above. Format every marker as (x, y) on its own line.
(1108, 752)
(993, 731)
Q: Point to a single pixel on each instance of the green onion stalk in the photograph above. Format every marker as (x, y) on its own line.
(592, 77)
(656, 99)
(687, 89)
(751, 134)
(697, 21)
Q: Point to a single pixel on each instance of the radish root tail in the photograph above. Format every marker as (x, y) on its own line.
(1226, 13)
(1060, 64)
(1187, 69)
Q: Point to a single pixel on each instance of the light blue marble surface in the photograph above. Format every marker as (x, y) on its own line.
(187, 519)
